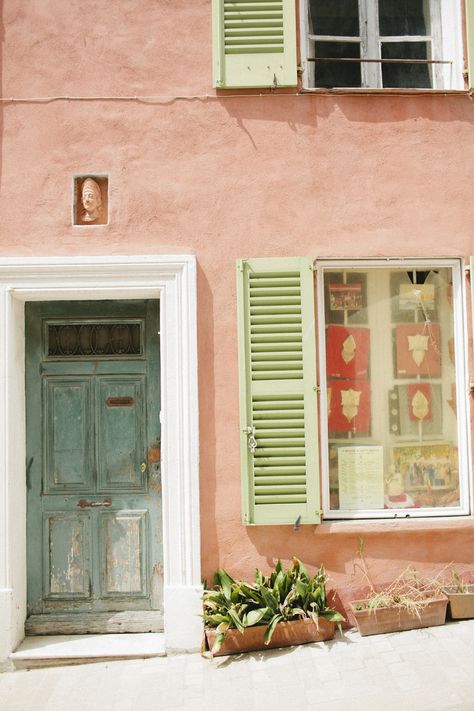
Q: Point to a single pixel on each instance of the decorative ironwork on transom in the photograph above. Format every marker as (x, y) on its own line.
(93, 339)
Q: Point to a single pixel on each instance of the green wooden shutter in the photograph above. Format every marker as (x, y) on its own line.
(278, 398)
(470, 41)
(254, 43)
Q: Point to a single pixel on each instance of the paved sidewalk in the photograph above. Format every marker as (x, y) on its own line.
(423, 669)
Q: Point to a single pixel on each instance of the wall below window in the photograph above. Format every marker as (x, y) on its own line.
(224, 177)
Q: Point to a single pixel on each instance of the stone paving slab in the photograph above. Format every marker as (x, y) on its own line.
(419, 670)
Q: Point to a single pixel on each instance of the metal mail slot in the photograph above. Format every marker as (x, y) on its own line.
(120, 401)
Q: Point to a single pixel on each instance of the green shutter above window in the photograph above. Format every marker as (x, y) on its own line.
(470, 41)
(278, 396)
(254, 43)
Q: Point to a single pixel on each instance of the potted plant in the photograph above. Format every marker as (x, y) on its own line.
(285, 608)
(409, 602)
(460, 592)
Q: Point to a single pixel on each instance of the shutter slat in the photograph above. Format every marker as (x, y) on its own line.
(279, 471)
(267, 442)
(266, 334)
(280, 357)
(292, 307)
(280, 478)
(279, 433)
(280, 499)
(280, 294)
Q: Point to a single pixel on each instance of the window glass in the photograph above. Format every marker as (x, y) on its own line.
(403, 17)
(335, 17)
(407, 76)
(391, 394)
(330, 74)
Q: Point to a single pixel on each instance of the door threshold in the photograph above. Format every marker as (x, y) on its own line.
(94, 622)
(57, 650)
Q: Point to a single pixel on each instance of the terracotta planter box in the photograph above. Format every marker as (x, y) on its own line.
(397, 619)
(461, 605)
(286, 634)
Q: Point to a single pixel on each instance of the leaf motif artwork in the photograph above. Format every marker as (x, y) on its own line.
(418, 346)
(418, 349)
(420, 405)
(349, 406)
(347, 352)
(350, 400)
(420, 402)
(348, 349)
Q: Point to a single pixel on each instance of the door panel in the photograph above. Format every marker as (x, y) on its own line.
(67, 541)
(123, 544)
(93, 457)
(68, 463)
(120, 443)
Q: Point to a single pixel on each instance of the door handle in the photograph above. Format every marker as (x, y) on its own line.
(84, 504)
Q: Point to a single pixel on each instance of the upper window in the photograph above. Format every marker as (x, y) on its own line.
(389, 44)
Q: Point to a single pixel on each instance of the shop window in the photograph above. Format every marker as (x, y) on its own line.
(393, 432)
(389, 44)
(392, 390)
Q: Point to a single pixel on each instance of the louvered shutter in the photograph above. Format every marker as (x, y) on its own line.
(278, 398)
(254, 43)
(470, 41)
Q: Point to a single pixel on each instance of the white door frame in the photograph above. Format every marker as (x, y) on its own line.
(172, 279)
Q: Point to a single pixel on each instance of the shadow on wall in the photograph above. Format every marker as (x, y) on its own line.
(207, 414)
(388, 551)
(298, 110)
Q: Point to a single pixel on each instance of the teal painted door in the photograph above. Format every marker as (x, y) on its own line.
(94, 525)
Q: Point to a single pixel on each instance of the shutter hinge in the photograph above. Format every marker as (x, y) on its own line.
(317, 389)
(251, 441)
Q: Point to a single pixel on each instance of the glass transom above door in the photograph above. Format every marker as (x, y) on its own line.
(98, 339)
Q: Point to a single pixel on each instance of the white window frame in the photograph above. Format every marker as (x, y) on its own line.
(446, 38)
(461, 360)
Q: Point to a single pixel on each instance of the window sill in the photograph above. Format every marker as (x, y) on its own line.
(387, 92)
(371, 526)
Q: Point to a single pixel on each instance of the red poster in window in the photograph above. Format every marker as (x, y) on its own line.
(418, 349)
(349, 406)
(419, 402)
(347, 352)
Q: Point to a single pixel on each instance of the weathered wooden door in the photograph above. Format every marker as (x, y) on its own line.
(93, 472)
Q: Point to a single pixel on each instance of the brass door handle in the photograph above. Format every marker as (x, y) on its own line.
(84, 504)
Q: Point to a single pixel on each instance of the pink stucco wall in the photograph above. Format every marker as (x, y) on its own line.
(224, 177)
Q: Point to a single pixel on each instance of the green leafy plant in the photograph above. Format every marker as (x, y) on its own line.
(279, 597)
